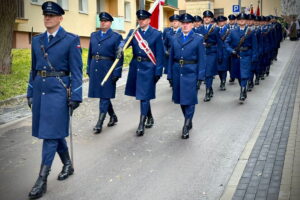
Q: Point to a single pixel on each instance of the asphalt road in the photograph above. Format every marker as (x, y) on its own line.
(160, 165)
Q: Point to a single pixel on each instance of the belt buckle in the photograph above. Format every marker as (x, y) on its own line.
(43, 73)
(181, 62)
(139, 58)
(97, 57)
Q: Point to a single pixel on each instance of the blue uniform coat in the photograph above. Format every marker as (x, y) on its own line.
(50, 111)
(141, 75)
(224, 64)
(185, 76)
(168, 36)
(241, 66)
(214, 53)
(107, 46)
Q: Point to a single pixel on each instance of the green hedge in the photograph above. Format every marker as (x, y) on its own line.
(16, 83)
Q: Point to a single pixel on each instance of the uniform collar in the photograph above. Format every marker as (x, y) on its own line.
(145, 30)
(54, 34)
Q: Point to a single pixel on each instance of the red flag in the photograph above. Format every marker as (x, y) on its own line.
(156, 13)
(251, 9)
(257, 11)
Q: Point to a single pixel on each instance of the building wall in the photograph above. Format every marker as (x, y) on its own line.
(21, 40)
(82, 24)
(196, 7)
(73, 20)
(268, 6)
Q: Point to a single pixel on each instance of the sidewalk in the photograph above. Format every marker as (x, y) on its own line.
(272, 169)
(17, 108)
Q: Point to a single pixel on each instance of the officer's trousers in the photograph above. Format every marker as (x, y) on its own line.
(222, 75)
(208, 81)
(145, 107)
(50, 147)
(243, 82)
(188, 111)
(105, 106)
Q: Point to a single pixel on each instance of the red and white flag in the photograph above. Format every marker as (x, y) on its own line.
(157, 12)
(257, 11)
(251, 9)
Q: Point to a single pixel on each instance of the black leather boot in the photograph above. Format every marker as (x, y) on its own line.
(207, 95)
(256, 80)
(149, 121)
(67, 169)
(186, 128)
(222, 85)
(250, 86)
(211, 92)
(113, 117)
(112, 120)
(231, 80)
(40, 186)
(98, 127)
(243, 94)
(268, 71)
(141, 128)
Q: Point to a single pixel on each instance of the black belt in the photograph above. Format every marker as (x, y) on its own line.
(245, 48)
(207, 45)
(140, 58)
(44, 73)
(183, 62)
(98, 57)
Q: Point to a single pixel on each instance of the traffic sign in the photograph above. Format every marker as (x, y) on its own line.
(236, 8)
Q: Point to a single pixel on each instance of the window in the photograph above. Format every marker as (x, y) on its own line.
(20, 9)
(127, 11)
(64, 4)
(100, 6)
(218, 12)
(182, 12)
(38, 2)
(83, 6)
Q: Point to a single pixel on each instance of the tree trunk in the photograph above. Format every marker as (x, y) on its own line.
(8, 13)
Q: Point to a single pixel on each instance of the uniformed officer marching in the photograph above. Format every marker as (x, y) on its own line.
(250, 23)
(232, 22)
(258, 67)
(267, 43)
(102, 53)
(143, 74)
(214, 52)
(168, 36)
(56, 72)
(198, 22)
(242, 42)
(224, 65)
(187, 69)
(231, 25)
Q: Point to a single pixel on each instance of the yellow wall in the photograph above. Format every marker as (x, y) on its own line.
(73, 20)
(79, 23)
(197, 7)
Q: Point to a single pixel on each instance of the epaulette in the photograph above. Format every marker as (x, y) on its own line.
(72, 34)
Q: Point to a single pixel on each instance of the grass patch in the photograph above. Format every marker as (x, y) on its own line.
(16, 83)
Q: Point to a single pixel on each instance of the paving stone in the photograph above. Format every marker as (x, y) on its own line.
(263, 172)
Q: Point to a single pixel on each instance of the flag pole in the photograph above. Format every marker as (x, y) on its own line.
(125, 47)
